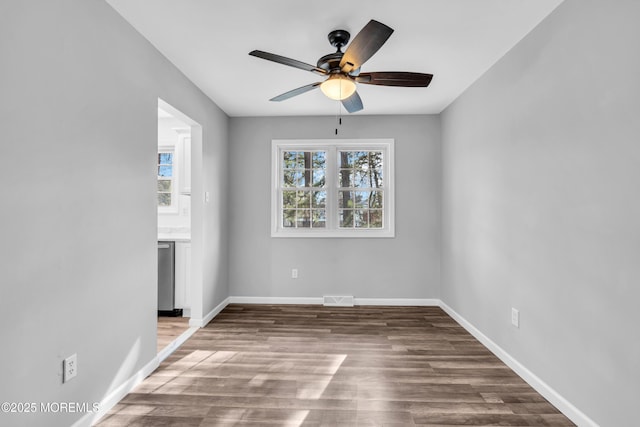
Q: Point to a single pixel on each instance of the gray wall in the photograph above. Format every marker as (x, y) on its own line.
(541, 165)
(78, 113)
(406, 266)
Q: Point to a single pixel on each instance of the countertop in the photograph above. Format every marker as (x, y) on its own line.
(174, 237)
(174, 234)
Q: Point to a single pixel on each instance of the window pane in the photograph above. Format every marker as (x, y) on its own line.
(289, 158)
(303, 168)
(362, 178)
(360, 218)
(303, 199)
(319, 199)
(375, 179)
(296, 159)
(375, 160)
(288, 199)
(288, 178)
(319, 218)
(346, 218)
(303, 218)
(288, 218)
(375, 218)
(345, 178)
(361, 169)
(345, 199)
(361, 199)
(351, 159)
(318, 178)
(292, 178)
(346, 161)
(306, 160)
(319, 159)
(299, 160)
(378, 180)
(165, 158)
(164, 185)
(375, 199)
(164, 199)
(164, 170)
(304, 178)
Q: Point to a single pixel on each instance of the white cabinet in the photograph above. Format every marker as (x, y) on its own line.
(183, 277)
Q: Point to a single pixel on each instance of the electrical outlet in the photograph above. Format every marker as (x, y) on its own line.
(70, 367)
(515, 317)
(294, 273)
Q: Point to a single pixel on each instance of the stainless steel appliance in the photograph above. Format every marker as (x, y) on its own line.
(166, 280)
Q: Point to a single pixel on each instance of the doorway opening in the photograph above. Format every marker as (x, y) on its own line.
(179, 143)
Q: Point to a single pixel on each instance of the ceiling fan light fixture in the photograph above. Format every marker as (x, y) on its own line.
(338, 87)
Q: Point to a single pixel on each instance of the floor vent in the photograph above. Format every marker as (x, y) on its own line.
(338, 301)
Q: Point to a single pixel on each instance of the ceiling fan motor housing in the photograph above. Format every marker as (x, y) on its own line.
(331, 62)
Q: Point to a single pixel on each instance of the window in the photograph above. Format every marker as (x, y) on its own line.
(166, 180)
(334, 188)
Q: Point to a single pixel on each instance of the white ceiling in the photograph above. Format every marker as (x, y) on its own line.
(209, 41)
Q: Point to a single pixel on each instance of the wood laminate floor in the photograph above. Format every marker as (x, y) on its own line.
(170, 328)
(276, 365)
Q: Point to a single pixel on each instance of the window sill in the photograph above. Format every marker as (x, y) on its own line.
(343, 234)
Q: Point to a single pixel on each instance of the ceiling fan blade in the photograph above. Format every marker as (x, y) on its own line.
(353, 103)
(287, 61)
(295, 92)
(395, 78)
(365, 44)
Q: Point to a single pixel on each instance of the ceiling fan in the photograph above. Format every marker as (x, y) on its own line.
(342, 69)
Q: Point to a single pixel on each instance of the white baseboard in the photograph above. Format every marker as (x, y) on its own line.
(118, 394)
(425, 302)
(319, 301)
(173, 345)
(563, 405)
(201, 323)
(276, 300)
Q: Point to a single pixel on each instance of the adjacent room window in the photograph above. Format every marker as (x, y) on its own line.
(335, 188)
(166, 181)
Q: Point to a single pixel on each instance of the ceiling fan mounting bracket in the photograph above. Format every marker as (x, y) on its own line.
(339, 38)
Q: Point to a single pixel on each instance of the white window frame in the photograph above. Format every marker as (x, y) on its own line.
(173, 208)
(332, 146)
